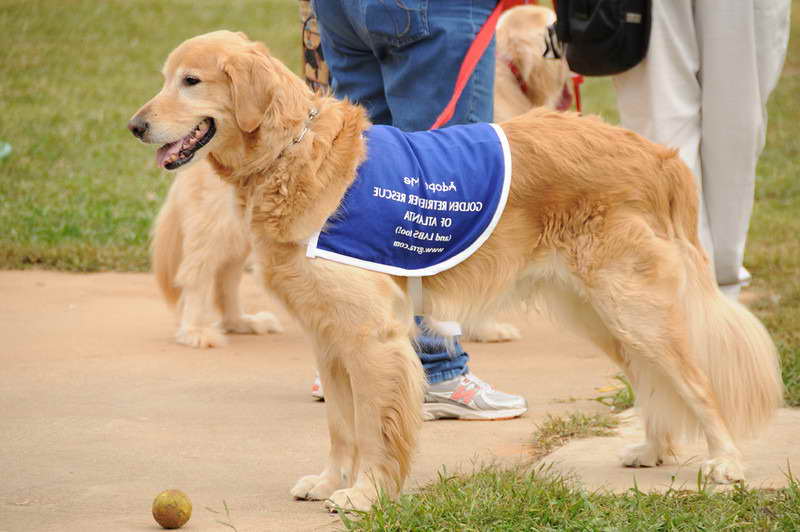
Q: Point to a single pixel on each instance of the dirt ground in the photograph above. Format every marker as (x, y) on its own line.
(100, 410)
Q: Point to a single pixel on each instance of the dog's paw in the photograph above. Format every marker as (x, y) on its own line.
(494, 332)
(303, 486)
(349, 499)
(314, 488)
(261, 323)
(723, 470)
(641, 455)
(201, 337)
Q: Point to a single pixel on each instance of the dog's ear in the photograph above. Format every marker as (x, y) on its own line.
(249, 75)
(264, 90)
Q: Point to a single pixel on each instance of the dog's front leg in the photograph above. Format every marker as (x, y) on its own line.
(388, 384)
(343, 456)
(197, 327)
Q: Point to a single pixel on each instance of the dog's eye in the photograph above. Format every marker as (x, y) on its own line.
(191, 80)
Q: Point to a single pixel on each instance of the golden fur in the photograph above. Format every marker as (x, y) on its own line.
(600, 230)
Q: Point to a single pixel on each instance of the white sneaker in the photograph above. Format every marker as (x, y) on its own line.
(468, 397)
(316, 389)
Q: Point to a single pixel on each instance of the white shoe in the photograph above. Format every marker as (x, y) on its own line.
(468, 397)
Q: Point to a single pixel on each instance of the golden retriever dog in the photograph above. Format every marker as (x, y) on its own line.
(199, 250)
(599, 228)
(199, 247)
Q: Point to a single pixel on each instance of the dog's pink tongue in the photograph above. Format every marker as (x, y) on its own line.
(165, 151)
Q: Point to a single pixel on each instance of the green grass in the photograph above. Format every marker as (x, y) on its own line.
(773, 251)
(555, 431)
(495, 500)
(535, 498)
(621, 397)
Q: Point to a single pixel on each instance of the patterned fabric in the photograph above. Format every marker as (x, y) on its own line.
(315, 70)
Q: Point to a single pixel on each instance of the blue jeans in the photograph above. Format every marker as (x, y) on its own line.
(439, 363)
(399, 59)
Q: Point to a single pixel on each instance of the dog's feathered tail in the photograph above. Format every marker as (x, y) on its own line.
(734, 349)
(166, 250)
(730, 344)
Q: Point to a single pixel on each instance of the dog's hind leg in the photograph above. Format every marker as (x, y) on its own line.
(639, 296)
(663, 412)
(679, 391)
(343, 455)
(234, 320)
(559, 300)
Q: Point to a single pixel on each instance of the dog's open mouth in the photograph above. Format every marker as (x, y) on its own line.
(180, 152)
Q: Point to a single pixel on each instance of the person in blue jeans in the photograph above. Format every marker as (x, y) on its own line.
(399, 59)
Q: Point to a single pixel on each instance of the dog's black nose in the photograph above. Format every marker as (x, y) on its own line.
(138, 127)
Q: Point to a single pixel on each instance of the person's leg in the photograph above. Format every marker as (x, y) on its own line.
(440, 362)
(660, 98)
(420, 49)
(420, 66)
(356, 75)
(355, 71)
(772, 23)
(397, 36)
(453, 392)
(736, 74)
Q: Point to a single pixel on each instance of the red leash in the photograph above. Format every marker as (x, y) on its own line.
(474, 55)
(577, 79)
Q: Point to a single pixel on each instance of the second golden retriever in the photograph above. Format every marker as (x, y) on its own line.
(199, 250)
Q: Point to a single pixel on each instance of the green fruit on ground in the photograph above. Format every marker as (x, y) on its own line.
(172, 509)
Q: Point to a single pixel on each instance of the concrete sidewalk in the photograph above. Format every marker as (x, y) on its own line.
(100, 410)
(594, 462)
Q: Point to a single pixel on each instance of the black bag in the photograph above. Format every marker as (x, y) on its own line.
(604, 37)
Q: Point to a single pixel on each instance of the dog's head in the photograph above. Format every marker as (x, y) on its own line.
(218, 87)
(522, 38)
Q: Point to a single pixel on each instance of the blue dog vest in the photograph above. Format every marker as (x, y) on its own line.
(421, 202)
